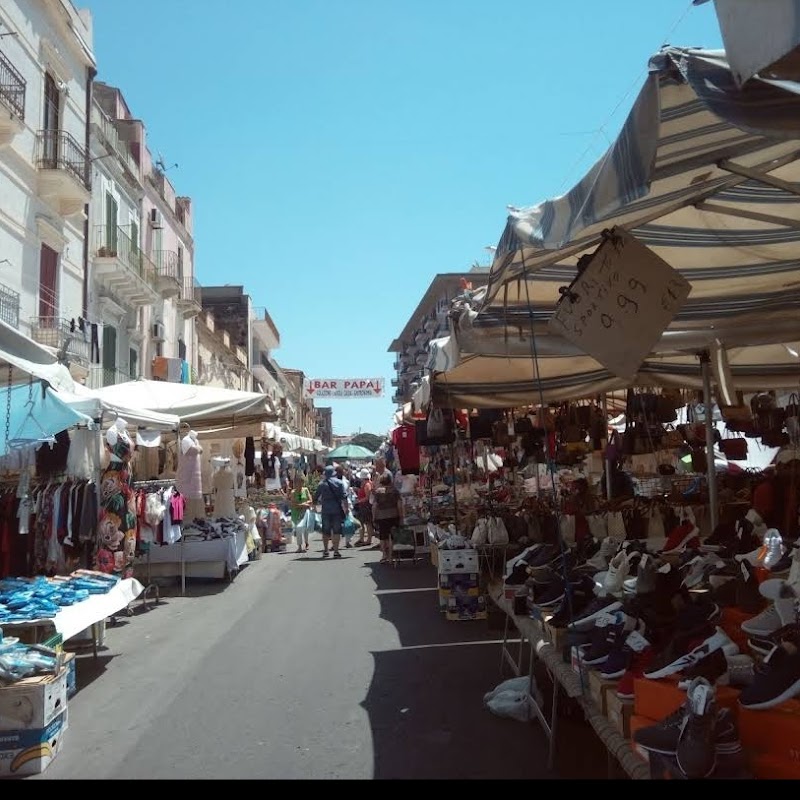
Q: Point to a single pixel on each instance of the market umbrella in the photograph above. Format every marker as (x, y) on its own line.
(350, 452)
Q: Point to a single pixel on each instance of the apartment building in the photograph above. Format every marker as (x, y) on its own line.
(324, 425)
(143, 292)
(428, 321)
(220, 361)
(46, 70)
(302, 415)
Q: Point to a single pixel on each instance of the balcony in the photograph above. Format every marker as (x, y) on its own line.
(70, 345)
(12, 101)
(105, 129)
(9, 306)
(63, 171)
(395, 382)
(169, 272)
(98, 377)
(265, 331)
(189, 299)
(121, 268)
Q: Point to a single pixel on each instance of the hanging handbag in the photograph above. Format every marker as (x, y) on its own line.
(775, 439)
(616, 526)
(793, 406)
(734, 448)
(498, 533)
(480, 534)
(665, 410)
(566, 526)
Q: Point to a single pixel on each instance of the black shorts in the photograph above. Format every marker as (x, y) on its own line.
(385, 527)
(363, 513)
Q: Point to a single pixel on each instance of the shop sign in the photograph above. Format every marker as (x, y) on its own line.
(624, 298)
(343, 388)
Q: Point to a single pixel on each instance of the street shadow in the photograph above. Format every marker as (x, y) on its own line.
(426, 698)
(88, 668)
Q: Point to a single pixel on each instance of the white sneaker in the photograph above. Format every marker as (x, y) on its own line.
(697, 569)
(781, 612)
(601, 559)
(618, 570)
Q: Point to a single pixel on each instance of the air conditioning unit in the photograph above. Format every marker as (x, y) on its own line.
(158, 331)
(156, 220)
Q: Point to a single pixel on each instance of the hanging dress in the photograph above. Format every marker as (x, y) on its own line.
(116, 540)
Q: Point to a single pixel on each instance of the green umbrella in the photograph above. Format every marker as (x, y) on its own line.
(350, 452)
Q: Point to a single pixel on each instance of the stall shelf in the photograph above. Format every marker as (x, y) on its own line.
(73, 620)
(564, 678)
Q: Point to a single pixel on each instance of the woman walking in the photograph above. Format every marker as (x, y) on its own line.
(387, 511)
(300, 503)
(363, 508)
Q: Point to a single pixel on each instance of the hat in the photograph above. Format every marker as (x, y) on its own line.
(787, 454)
(363, 474)
(329, 471)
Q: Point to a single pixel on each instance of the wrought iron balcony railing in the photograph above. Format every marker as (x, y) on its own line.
(60, 150)
(113, 241)
(63, 336)
(12, 88)
(9, 306)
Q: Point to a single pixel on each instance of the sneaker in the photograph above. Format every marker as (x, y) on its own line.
(572, 605)
(764, 645)
(782, 612)
(777, 679)
(686, 535)
(593, 610)
(727, 734)
(662, 737)
(722, 537)
(698, 569)
(337, 554)
(741, 669)
(696, 752)
(748, 597)
(600, 560)
(618, 570)
(713, 668)
(551, 594)
(325, 553)
(636, 666)
(610, 634)
(687, 650)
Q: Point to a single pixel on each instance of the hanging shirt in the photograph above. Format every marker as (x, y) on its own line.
(404, 439)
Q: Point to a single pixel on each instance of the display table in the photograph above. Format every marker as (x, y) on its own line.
(564, 677)
(72, 620)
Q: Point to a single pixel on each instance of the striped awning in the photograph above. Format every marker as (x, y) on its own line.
(707, 175)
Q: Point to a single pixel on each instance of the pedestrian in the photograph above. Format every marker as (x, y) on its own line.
(363, 508)
(387, 508)
(301, 503)
(331, 496)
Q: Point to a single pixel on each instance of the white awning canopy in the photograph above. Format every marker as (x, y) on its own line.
(28, 359)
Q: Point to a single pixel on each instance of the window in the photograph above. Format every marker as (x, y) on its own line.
(134, 237)
(180, 262)
(181, 349)
(48, 282)
(133, 363)
(112, 209)
(109, 355)
(51, 121)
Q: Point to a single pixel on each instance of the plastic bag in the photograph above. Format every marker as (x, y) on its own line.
(498, 533)
(306, 523)
(349, 526)
(511, 699)
(480, 535)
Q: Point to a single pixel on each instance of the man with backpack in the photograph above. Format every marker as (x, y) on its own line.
(331, 496)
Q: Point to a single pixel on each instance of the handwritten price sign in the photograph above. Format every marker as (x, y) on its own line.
(620, 304)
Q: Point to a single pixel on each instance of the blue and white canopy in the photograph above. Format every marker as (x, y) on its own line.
(707, 175)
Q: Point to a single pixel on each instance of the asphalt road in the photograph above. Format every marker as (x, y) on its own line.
(301, 669)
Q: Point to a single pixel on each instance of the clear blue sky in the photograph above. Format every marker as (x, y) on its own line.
(340, 153)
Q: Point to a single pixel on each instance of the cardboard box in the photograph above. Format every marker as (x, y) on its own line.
(599, 689)
(556, 636)
(446, 595)
(619, 713)
(33, 703)
(657, 699)
(774, 731)
(468, 607)
(29, 752)
(72, 682)
(451, 561)
(768, 767)
(464, 580)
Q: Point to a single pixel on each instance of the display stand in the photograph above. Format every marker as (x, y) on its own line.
(532, 632)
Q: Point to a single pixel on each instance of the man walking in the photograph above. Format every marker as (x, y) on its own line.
(331, 496)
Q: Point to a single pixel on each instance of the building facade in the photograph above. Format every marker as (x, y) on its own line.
(428, 321)
(220, 362)
(324, 425)
(303, 420)
(46, 70)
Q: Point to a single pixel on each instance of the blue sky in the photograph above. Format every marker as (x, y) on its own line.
(340, 153)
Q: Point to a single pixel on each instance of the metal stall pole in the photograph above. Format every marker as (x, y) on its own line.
(455, 499)
(711, 469)
(606, 462)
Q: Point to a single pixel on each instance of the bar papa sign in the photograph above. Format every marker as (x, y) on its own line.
(343, 388)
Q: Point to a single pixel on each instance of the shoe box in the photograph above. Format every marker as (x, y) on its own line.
(619, 712)
(773, 732)
(600, 689)
(33, 703)
(768, 767)
(30, 751)
(467, 606)
(656, 699)
(457, 584)
(458, 561)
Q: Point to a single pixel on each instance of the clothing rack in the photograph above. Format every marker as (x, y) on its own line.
(154, 485)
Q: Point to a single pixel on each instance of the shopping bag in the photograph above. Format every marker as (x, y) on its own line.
(480, 534)
(348, 526)
(498, 533)
(616, 526)
(306, 523)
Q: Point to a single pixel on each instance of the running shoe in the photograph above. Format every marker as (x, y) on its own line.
(696, 751)
(687, 650)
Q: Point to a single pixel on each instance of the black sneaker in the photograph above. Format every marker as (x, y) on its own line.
(696, 752)
(572, 605)
(608, 635)
(596, 607)
(777, 679)
(764, 645)
(714, 668)
(550, 595)
(663, 736)
(748, 598)
(686, 649)
(337, 554)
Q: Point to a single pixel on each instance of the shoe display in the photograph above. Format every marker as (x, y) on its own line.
(686, 535)
(573, 604)
(687, 650)
(618, 570)
(696, 751)
(637, 663)
(609, 634)
(763, 645)
(713, 668)
(782, 612)
(600, 560)
(698, 569)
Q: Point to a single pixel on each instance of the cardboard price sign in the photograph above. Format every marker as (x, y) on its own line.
(620, 304)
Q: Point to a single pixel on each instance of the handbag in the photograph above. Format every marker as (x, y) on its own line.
(699, 460)
(616, 526)
(480, 533)
(498, 533)
(734, 448)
